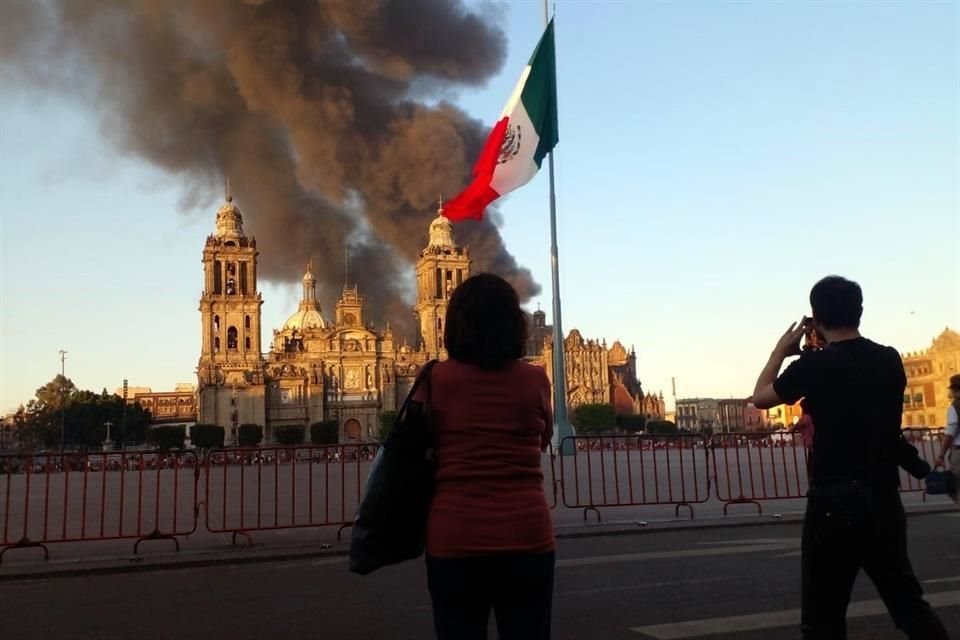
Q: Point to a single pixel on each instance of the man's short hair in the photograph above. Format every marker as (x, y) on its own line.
(485, 325)
(837, 303)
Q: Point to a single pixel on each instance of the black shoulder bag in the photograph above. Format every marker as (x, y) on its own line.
(390, 524)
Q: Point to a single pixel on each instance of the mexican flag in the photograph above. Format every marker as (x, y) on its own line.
(525, 133)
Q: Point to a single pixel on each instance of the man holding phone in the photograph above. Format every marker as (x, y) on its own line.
(854, 519)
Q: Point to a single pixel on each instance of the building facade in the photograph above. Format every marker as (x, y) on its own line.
(698, 414)
(926, 398)
(343, 368)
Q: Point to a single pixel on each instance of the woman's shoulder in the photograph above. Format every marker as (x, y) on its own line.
(530, 372)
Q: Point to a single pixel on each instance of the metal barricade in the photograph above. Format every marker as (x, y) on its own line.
(268, 488)
(927, 442)
(634, 470)
(752, 467)
(76, 497)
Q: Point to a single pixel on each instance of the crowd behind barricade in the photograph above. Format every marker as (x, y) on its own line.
(75, 462)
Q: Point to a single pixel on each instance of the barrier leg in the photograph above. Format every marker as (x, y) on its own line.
(25, 543)
(742, 501)
(594, 509)
(155, 535)
(676, 512)
(233, 538)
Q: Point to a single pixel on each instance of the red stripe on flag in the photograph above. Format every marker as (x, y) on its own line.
(471, 202)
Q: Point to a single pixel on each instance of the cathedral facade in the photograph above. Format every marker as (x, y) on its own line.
(343, 368)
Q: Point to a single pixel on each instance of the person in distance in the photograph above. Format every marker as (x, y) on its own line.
(490, 541)
(854, 518)
(950, 447)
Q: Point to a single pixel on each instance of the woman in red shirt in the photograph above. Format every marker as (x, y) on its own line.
(490, 541)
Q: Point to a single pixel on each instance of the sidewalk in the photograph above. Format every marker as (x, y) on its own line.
(97, 558)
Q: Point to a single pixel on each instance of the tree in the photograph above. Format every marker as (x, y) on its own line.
(290, 434)
(593, 418)
(54, 393)
(249, 435)
(167, 437)
(85, 415)
(325, 432)
(631, 422)
(661, 427)
(387, 418)
(207, 436)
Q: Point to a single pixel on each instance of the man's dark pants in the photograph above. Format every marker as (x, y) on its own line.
(848, 527)
(518, 587)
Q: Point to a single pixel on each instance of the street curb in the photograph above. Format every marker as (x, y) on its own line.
(244, 556)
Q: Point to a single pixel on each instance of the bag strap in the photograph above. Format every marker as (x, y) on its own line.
(423, 376)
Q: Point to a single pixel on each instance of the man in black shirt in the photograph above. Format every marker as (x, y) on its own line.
(854, 391)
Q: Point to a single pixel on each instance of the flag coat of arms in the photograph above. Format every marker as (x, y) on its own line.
(522, 137)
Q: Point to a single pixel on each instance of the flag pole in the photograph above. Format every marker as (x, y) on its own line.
(562, 428)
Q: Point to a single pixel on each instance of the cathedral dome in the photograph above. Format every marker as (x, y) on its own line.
(306, 318)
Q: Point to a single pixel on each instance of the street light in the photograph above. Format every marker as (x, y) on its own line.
(63, 380)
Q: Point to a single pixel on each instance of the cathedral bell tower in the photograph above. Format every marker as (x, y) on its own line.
(230, 304)
(441, 267)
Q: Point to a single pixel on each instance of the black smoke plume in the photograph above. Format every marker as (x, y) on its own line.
(328, 116)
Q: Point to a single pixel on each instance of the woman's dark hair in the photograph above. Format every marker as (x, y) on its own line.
(837, 303)
(485, 325)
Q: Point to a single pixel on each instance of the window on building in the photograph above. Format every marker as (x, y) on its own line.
(246, 322)
(216, 344)
(909, 420)
(243, 278)
(246, 342)
(216, 324)
(232, 339)
(918, 398)
(932, 420)
(439, 283)
(217, 277)
(906, 399)
(231, 286)
(922, 420)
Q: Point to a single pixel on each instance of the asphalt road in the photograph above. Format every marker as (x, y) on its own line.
(719, 583)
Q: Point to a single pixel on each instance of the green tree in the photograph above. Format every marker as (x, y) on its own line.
(289, 435)
(661, 427)
(166, 437)
(54, 393)
(249, 435)
(631, 422)
(387, 418)
(593, 418)
(207, 436)
(325, 432)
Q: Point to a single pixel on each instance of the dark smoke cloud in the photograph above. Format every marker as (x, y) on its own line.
(315, 108)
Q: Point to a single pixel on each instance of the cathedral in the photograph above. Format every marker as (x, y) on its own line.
(345, 369)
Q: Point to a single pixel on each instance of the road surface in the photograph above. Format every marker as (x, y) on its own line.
(718, 583)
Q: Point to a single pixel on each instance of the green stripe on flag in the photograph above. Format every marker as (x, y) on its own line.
(539, 96)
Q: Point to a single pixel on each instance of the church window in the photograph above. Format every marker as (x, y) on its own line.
(232, 339)
(918, 398)
(216, 345)
(247, 342)
(217, 277)
(243, 278)
(216, 324)
(246, 322)
(231, 286)
(439, 283)
(906, 398)
(459, 277)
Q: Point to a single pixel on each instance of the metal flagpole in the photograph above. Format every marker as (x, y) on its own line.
(563, 428)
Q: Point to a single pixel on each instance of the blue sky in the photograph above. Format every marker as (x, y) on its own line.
(715, 159)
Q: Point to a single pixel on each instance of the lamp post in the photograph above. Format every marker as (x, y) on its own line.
(107, 444)
(63, 380)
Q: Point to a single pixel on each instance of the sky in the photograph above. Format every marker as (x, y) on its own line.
(715, 160)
